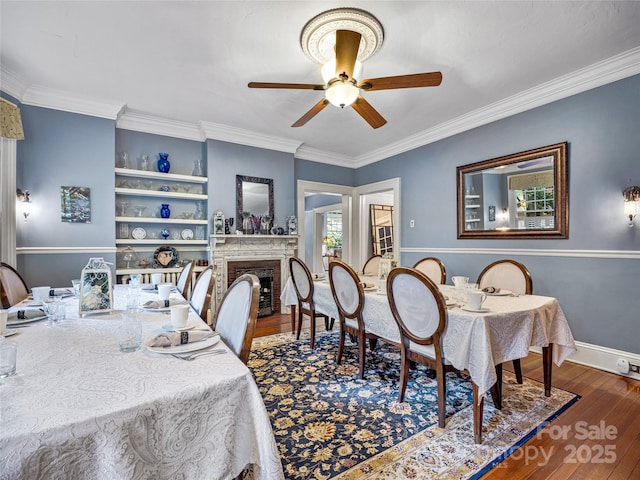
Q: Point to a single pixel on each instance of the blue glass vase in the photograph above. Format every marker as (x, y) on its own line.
(163, 163)
(165, 212)
(165, 233)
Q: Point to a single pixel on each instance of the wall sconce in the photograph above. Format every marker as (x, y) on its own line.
(631, 203)
(24, 202)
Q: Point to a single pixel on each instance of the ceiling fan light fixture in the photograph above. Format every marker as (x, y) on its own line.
(342, 93)
(328, 71)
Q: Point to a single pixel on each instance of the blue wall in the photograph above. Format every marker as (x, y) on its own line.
(64, 149)
(598, 295)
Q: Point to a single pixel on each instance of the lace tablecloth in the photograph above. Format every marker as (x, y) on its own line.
(475, 342)
(79, 408)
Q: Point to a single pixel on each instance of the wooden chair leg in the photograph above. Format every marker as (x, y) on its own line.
(372, 343)
(340, 345)
(517, 370)
(442, 395)
(362, 352)
(404, 376)
(478, 408)
(312, 328)
(496, 389)
(299, 329)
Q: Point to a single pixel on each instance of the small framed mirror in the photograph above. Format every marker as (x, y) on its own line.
(381, 217)
(523, 195)
(254, 195)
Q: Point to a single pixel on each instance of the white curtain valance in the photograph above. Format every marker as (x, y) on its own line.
(10, 121)
(531, 180)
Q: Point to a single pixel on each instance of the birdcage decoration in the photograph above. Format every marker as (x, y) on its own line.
(96, 292)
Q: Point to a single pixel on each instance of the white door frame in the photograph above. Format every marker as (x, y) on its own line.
(363, 222)
(355, 221)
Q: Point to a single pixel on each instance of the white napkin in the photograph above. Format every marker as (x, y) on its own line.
(59, 292)
(163, 303)
(170, 339)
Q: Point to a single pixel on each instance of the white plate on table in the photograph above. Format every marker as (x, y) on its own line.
(187, 347)
(8, 333)
(475, 310)
(370, 289)
(157, 309)
(501, 293)
(451, 303)
(170, 328)
(30, 316)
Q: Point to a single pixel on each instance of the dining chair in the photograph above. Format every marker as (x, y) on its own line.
(420, 311)
(13, 288)
(372, 265)
(184, 280)
(303, 284)
(509, 275)
(348, 295)
(236, 318)
(202, 290)
(433, 268)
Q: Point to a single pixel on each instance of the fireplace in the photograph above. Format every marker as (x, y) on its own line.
(266, 256)
(267, 272)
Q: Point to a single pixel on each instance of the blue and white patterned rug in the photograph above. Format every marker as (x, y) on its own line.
(329, 424)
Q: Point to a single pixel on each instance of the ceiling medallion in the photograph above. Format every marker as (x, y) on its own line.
(318, 35)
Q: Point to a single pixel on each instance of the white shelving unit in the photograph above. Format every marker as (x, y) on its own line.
(140, 191)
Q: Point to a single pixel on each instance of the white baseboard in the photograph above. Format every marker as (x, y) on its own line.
(602, 358)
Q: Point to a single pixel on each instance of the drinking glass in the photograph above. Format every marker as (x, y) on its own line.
(76, 287)
(8, 353)
(53, 309)
(130, 331)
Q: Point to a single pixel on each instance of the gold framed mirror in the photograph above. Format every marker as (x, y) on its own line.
(522, 195)
(381, 218)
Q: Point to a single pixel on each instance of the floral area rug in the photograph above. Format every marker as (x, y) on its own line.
(329, 424)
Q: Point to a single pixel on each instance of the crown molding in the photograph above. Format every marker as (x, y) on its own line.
(323, 156)
(44, 97)
(225, 133)
(12, 84)
(610, 70)
(142, 122)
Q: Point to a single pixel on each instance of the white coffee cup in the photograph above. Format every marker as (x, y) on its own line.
(164, 289)
(3, 320)
(39, 294)
(460, 281)
(179, 316)
(475, 299)
(156, 278)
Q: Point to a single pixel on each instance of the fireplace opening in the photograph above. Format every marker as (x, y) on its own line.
(265, 275)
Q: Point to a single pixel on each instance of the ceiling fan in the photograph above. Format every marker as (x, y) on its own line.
(342, 85)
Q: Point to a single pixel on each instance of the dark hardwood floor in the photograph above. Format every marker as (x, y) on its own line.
(596, 438)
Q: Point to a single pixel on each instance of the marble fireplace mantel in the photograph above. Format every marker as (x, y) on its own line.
(244, 248)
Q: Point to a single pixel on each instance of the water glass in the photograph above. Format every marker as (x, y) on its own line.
(53, 308)
(8, 354)
(76, 287)
(130, 330)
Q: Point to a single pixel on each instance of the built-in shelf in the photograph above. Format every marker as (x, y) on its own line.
(176, 177)
(472, 220)
(472, 196)
(140, 270)
(175, 221)
(159, 193)
(472, 206)
(158, 241)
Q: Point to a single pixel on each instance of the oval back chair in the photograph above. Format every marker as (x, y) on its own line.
(372, 265)
(184, 280)
(236, 318)
(348, 294)
(433, 268)
(202, 290)
(13, 288)
(420, 311)
(511, 275)
(303, 284)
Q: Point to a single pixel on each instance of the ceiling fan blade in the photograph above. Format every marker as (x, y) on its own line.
(311, 113)
(366, 111)
(431, 79)
(347, 45)
(292, 86)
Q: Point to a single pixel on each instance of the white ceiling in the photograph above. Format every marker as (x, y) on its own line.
(186, 65)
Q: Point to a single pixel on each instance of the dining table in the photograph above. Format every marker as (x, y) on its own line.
(80, 408)
(478, 342)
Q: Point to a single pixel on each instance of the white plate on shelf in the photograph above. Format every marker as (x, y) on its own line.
(187, 234)
(187, 347)
(501, 293)
(475, 310)
(170, 328)
(139, 233)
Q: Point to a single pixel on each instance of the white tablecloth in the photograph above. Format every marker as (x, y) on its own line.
(475, 342)
(79, 408)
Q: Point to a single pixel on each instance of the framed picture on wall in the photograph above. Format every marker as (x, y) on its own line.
(75, 204)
